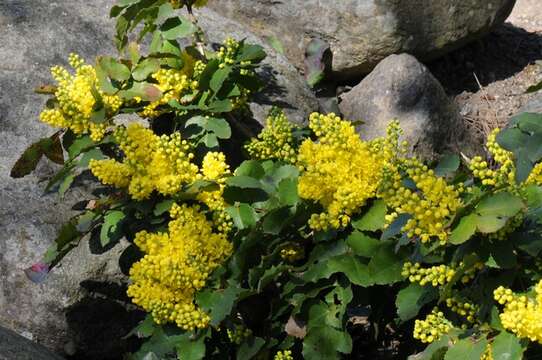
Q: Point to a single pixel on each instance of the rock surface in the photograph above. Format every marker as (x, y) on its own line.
(31, 44)
(363, 32)
(402, 88)
(535, 105)
(16, 347)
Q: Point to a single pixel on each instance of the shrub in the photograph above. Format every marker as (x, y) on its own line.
(317, 244)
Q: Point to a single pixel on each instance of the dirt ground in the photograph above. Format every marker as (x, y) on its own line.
(488, 78)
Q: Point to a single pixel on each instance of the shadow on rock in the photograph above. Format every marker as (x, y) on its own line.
(98, 327)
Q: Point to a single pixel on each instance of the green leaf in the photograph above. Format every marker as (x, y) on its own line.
(325, 343)
(356, 271)
(143, 90)
(490, 224)
(221, 106)
(243, 216)
(79, 145)
(395, 227)
(65, 184)
(210, 140)
(435, 351)
(250, 168)
(67, 239)
(447, 165)
(92, 154)
(362, 244)
(111, 227)
(467, 349)
(386, 266)
(177, 27)
(98, 116)
(534, 88)
(274, 222)
(145, 68)
(243, 182)
(253, 53)
(506, 347)
(464, 230)
(28, 160)
(219, 127)
(250, 348)
(53, 149)
(411, 299)
(374, 219)
(114, 69)
(287, 191)
(500, 204)
(190, 349)
(218, 303)
(160, 344)
(163, 207)
(218, 78)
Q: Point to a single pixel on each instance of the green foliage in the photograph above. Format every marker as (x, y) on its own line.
(374, 269)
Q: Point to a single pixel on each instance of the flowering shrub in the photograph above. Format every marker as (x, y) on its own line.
(317, 244)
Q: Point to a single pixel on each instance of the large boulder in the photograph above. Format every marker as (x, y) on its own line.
(363, 32)
(60, 313)
(402, 88)
(16, 347)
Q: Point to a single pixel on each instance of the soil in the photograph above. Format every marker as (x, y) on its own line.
(489, 78)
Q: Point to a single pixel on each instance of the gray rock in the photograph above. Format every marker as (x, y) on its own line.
(16, 347)
(402, 88)
(284, 86)
(35, 36)
(534, 105)
(58, 313)
(363, 32)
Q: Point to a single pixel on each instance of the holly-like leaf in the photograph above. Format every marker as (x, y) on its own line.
(177, 27)
(243, 216)
(467, 349)
(218, 78)
(464, 230)
(386, 266)
(250, 348)
(191, 349)
(373, 219)
(145, 68)
(143, 90)
(218, 303)
(110, 231)
(411, 299)
(356, 271)
(506, 347)
(447, 165)
(114, 69)
(502, 204)
(362, 244)
(326, 343)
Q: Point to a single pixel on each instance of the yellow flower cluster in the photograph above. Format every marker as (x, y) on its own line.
(430, 200)
(435, 275)
(439, 275)
(176, 266)
(522, 315)
(227, 53)
(173, 84)
(76, 100)
(239, 334)
(275, 141)
(283, 355)
(504, 175)
(488, 354)
(432, 328)
(535, 178)
(151, 163)
(292, 253)
(464, 309)
(214, 168)
(339, 171)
